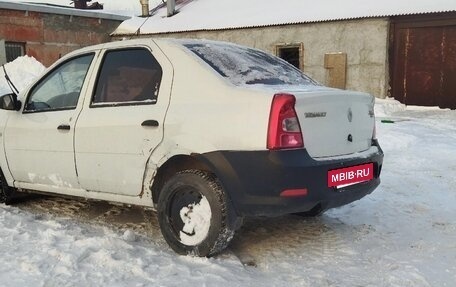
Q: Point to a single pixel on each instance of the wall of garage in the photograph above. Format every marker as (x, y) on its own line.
(365, 43)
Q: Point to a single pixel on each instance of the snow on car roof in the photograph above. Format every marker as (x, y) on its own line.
(231, 14)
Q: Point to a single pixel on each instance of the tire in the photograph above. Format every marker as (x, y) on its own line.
(6, 191)
(197, 198)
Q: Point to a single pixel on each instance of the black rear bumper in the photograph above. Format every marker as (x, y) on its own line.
(255, 179)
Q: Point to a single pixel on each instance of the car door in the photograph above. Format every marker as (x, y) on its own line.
(39, 140)
(123, 122)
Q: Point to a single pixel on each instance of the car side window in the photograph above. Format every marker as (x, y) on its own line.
(130, 76)
(60, 89)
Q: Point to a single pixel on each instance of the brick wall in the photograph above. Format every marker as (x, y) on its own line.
(49, 36)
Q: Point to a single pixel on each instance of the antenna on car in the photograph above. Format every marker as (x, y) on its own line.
(10, 83)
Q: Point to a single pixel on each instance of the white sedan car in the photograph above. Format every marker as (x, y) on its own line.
(205, 132)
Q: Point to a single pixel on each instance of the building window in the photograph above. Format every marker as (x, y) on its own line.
(14, 50)
(292, 53)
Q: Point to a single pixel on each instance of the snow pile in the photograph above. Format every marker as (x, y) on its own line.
(39, 250)
(23, 71)
(388, 106)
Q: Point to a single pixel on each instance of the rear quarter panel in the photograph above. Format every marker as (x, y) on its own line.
(207, 113)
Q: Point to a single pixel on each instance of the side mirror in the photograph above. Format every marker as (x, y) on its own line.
(10, 102)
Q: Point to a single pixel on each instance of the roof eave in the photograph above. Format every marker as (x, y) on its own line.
(273, 25)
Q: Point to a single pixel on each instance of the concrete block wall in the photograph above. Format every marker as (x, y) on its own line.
(364, 41)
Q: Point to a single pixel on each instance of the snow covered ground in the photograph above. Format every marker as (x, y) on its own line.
(403, 234)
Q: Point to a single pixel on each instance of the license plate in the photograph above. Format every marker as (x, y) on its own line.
(350, 175)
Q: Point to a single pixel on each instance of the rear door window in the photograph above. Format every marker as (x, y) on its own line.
(128, 77)
(246, 66)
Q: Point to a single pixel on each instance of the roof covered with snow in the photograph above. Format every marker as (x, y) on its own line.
(197, 15)
(60, 10)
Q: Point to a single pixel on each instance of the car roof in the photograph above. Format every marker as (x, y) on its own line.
(142, 42)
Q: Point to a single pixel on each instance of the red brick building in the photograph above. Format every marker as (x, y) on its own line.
(47, 32)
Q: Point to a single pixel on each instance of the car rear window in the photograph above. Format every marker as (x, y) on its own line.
(247, 66)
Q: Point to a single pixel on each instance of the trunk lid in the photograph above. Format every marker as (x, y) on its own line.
(335, 122)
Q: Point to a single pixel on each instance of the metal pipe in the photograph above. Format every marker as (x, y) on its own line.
(171, 5)
(145, 8)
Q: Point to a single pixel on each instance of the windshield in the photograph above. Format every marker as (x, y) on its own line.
(247, 66)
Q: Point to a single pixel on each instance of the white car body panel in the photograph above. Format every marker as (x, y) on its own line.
(39, 153)
(203, 128)
(134, 200)
(117, 162)
(112, 159)
(347, 113)
(4, 115)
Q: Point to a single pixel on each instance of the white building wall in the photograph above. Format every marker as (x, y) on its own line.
(364, 41)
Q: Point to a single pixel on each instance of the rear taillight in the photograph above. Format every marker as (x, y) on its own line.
(284, 131)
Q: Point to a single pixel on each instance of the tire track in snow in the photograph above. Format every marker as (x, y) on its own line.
(322, 251)
(317, 237)
(254, 244)
(119, 217)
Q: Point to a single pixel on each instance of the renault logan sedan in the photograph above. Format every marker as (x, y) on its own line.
(205, 132)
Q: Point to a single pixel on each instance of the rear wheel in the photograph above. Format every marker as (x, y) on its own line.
(195, 215)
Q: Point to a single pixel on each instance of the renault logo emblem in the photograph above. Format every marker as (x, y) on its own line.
(350, 115)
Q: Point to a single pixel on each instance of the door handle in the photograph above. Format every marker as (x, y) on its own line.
(150, 123)
(64, 127)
